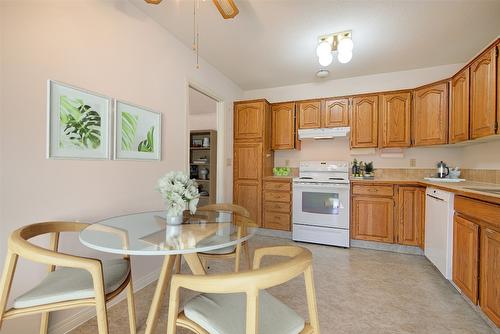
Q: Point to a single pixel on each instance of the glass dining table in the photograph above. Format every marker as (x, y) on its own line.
(148, 234)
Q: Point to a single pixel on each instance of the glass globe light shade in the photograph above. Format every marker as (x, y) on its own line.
(323, 49)
(344, 57)
(326, 60)
(345, 45)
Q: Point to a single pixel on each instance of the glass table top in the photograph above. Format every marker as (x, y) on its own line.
(147, 233)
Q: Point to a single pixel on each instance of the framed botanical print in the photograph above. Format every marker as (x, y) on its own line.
(78, 123)
(137, 132)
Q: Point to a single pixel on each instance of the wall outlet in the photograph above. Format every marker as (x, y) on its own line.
(413, 162)
(229, 162)
(287, 163)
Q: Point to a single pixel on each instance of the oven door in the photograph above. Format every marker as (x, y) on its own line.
(321, 204)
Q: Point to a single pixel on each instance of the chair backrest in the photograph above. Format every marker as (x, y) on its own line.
(250, 282)
(234, 208)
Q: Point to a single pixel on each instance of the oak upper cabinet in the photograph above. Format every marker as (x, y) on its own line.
(489, 285)
(283, 126)
(483, 90)
(459, 108)
(430, 115)
(411, 215)
(372, 218)
(465, 256)
(395, 114)
(309, 114)
(249, 120)
(336, 113)
(364, 121)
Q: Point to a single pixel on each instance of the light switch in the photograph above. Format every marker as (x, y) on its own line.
(229, 162)
(413, 162)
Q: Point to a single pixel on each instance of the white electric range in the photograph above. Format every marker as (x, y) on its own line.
(321, 203)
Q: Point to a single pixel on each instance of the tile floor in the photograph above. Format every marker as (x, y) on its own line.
(358, 291)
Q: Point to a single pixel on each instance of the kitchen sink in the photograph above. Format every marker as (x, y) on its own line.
(495, 191)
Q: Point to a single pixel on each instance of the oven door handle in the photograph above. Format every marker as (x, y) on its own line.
(320, 185)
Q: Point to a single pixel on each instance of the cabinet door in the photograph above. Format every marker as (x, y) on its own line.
(336, 113)
(309, 114)
(490, 274)
(247, 161)
(249, 120)
(248, 194)
(459, 108)
(411, 215)
(465, 256)
(283, 122)
(373, 219)
(430, 115)
(395, 119)
(483, 95)
(364, 124)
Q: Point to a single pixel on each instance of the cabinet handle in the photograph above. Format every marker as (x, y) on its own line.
(372, 190)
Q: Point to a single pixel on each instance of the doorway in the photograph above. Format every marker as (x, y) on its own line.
(205, 119)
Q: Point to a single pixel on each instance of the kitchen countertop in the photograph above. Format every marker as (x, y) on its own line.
(459, 188)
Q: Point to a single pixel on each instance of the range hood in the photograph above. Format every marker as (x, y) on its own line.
(323, 133)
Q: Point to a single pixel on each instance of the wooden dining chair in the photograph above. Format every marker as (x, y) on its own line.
(76, 282)
(221, 307)
(229, 252)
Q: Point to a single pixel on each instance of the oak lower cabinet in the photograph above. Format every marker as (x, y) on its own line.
(459, 107)
(476, 254)
(465, 256)
(483, 90)
(364, 121)
(411, 216)
(395, 116)
(284, 134)
(248, 194)
(373, 218)
(253, 158)
(489, 287)
(277, 203)
(430, 115)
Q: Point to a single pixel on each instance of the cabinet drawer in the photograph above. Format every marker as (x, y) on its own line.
(378, 190)
(277, 197)
(279, 221)
(277, 207)
(277, 186)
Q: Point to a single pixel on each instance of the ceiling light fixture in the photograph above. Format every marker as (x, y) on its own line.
(340, 42)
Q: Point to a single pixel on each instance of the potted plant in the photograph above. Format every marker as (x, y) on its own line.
(179, 193)
(369, 169)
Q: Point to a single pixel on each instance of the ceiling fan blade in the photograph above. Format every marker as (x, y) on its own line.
(153, 2)
(227, 8)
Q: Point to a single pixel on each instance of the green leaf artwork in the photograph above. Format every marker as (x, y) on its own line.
(82, 124)
(129, 129)
(147, 145)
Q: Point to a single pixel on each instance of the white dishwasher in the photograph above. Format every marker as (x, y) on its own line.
(438, 245)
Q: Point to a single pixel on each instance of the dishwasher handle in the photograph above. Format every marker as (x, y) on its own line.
(439, 199)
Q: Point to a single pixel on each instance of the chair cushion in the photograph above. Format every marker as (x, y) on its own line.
(225, 250)
(226, 314)
(65, 284)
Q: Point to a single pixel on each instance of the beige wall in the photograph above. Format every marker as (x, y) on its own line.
(482, 156)
(109, 47)
(203, 121)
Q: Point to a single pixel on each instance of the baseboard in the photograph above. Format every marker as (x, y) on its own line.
(88, 313)
(387, 247)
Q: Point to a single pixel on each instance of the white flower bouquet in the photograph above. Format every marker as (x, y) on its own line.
(179, 193)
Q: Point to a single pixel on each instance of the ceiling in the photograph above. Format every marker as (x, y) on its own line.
(272, 42)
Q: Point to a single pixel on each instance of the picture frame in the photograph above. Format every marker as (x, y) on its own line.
(137, 132)
(197, 143)
(79, 123)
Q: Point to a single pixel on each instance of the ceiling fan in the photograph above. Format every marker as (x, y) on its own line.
(227, 8)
